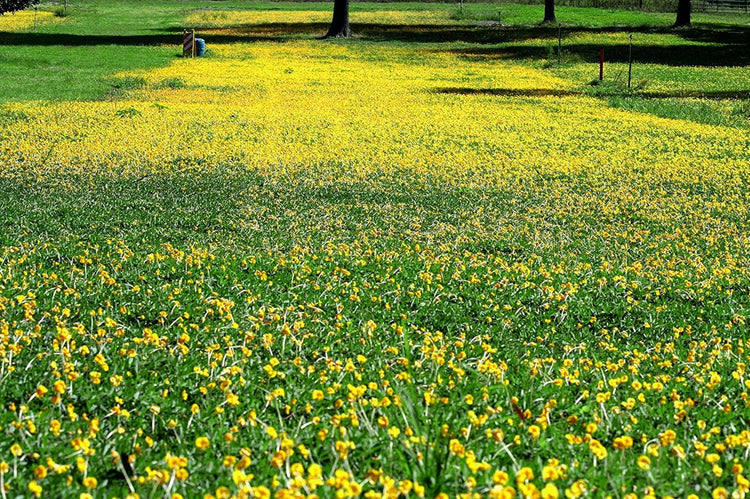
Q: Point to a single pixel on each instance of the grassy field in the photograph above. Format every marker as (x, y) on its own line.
(432, 259)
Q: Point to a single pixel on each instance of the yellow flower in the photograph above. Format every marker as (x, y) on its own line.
(40, 472)
(720, 493)
(90, 482)
(596, 447)
(524, 475)
(202, 443)
(667, 437)
(534, 431)
(644, 462)
(576, 490)
(550, 472)
(500, 477)
(622, 443)
(35, 488)
(550, 491)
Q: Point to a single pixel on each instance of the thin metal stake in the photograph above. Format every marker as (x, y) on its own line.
(630, 59)
(559, 43)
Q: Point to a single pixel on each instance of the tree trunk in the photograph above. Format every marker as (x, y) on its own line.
(549, 12)
(340, 23)
(683, 14)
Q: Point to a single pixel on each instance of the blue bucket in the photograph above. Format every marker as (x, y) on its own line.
(200, 46)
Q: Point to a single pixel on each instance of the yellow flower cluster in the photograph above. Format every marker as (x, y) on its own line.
(225, 22)
(26, 19)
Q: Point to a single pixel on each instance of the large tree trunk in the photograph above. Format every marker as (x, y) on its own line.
(683, 13)
(549, 12)
(340, 23)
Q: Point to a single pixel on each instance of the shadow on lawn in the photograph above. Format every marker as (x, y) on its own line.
(718, 46)
(668, 55)
(710, 47)
(66, 39)
(279, 32)
(508, 92)
(550, 92)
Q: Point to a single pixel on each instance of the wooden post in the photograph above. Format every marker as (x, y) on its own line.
(601, 65)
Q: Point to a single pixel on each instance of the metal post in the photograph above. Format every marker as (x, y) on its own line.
(601, 65)
(559, 43)
(630, 59)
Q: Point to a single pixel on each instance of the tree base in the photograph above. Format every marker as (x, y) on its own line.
(341, 34)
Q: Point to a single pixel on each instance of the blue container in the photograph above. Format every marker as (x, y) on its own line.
(200, 46)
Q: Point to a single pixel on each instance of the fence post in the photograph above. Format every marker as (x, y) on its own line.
(630, 59)
(188, 43)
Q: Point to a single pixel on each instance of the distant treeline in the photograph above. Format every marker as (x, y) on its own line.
(642, 5)
(728, 6)
(738, 6)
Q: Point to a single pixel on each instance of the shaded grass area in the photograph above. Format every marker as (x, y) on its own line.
(230, 207)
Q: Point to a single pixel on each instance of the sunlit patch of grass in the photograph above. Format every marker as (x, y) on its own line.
(725, 112)
(27, 20)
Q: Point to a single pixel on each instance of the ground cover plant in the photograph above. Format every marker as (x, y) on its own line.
(428, 260)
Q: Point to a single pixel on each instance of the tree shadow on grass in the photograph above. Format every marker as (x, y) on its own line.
(667, 55)
(719, 46)
(508, 92)
(273, 32)
(71, 40)
(551, 92)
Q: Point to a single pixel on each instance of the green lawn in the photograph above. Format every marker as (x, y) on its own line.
(436, 258)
